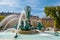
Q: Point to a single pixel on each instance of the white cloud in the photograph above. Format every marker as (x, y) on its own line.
(55, 3)
(9, 3)
(6, 3)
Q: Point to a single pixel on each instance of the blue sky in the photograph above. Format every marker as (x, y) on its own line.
(36, 5)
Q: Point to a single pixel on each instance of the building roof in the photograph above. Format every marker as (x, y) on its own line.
(9, 13)
(48, 18)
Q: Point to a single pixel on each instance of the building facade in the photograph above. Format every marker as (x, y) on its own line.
(8, 13)
(47, 22)
(33, 19)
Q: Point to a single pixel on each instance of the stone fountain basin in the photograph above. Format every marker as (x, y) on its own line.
(28, 32)
(25, 32)
(22, 31)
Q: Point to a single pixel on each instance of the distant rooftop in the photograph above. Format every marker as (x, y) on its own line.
(9, 13)
(46, 18)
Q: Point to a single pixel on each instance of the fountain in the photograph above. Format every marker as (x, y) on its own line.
(24, 22)
(23, 25)
(7, 19)
(23, 29)
(12, 20)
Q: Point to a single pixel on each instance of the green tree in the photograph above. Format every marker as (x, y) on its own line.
(27, 26)
(54, 12)
(22, 25)
(39, 26)
(2, 17)
(47, 24)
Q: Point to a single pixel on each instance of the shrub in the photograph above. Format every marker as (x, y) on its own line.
(2, 17)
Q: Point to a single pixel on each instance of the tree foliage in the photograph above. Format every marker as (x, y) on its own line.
(39, 26)
(27, 26)
(22, 25)
(2, 17)
(48, 24)
(54, 12)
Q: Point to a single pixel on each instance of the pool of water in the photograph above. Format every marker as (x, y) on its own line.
(40, 36)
